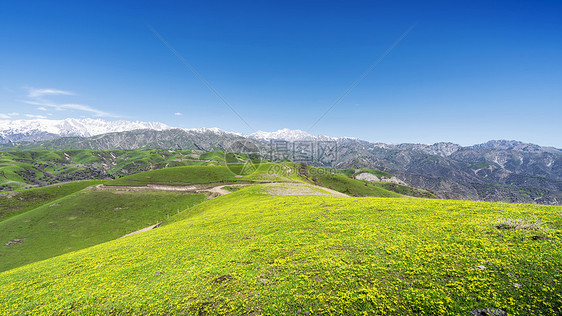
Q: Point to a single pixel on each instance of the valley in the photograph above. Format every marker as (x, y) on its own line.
(496, 171)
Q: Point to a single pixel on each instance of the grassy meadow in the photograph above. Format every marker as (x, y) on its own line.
(252, 253)
(16, 202)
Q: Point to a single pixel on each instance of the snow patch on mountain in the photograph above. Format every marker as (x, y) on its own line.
(214, 130)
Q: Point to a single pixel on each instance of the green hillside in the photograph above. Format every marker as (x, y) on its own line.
(25, 169)
(354, 172)
(44, 222)
(84, 219)
(179, 176)
(406, 190)
(265, 172)
(250, 253)
(16, 202)
(342, 183)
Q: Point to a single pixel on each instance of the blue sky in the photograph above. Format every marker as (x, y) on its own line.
(467, 72)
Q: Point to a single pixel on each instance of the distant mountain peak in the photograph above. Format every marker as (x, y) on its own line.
(500, 143)
(214, 130)
(503, 144)
(290, 135)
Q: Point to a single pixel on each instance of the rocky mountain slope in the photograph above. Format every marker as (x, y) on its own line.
(495, 171)
(199, 139)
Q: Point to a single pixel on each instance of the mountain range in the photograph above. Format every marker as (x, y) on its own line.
(498, 170)
(43, 129)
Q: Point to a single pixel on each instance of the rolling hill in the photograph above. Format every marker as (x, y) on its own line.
(40, 223)
(84, 219)
(24, 169)
(261, 250)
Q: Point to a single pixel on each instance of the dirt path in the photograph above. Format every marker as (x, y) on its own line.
(273, 188)
(221, 191)
(142, 230)
(148, 187)
(213, 191)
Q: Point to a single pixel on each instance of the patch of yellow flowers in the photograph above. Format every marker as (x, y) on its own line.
(246, 253)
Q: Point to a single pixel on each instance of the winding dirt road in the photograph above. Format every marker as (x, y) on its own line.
(211, 191)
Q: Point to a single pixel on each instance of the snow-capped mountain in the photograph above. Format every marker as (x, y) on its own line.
(290, 135)
(42, 129)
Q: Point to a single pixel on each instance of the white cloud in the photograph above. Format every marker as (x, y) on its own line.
(84, 108)
(178, 114)
(35, 116)
(41, 103)
(36, 98)
(8, 115)
(37, 93)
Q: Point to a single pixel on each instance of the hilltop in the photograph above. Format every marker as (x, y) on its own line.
(61, 218)
(278, 238)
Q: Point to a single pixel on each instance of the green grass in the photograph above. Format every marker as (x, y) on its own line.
(10, 179)
(406, 190)
(246, 253)
(17, 202)
(179, 176)
(336, 179)
(25, 169)
(22, 169)
(275, 172)
(354, 172)
(215, 156)
(343, 184)
(84, 219)
(233, 173)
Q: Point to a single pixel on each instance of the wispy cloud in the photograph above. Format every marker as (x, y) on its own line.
(178, 114)
(8, 115)
(36, 97)
(39, 102)
(37, 93)
(35, 116)
(84, 108)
